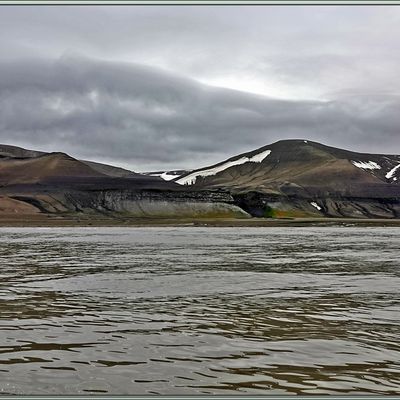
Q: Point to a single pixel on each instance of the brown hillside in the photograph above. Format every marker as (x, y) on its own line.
(36, 170)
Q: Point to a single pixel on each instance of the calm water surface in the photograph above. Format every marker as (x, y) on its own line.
(200, 310)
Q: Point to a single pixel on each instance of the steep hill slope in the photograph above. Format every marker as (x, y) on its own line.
(110, 170)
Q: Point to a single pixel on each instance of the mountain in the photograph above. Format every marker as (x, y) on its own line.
(298, 171)
(17, 171)
(299, 162)
(289, 178)
(8, 151)
(35, 182)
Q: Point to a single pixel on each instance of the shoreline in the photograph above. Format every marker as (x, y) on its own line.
(59, 221)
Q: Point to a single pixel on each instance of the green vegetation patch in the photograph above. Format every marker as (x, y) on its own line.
(269, 212)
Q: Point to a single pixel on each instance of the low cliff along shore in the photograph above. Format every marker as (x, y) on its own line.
(287, 182)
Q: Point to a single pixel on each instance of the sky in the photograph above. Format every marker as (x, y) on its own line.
(155, 88)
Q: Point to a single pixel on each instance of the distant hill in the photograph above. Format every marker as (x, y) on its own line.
(15, 171)
(109, 170)
(18, 152)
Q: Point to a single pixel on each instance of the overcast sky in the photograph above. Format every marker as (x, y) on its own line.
(163, 87)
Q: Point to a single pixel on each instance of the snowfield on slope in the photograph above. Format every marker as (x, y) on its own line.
(392, 172)
(191, 178)
(314, 204)
(366, 165)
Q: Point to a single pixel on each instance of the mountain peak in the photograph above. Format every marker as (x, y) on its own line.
(300, 162)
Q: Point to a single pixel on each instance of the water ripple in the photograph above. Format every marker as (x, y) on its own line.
(199, 310)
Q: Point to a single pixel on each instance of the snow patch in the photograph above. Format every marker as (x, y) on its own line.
(191, 178)
(167, 177)
(392, 172)
(260, 156)
(366, 165)
(314, 204)
(305, 141)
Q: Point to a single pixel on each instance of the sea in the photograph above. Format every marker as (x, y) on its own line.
(200, 310)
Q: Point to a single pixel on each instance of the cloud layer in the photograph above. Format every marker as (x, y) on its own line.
(146, 118)
(132, 85)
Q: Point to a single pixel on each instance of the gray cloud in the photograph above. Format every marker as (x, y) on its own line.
(295, 52)
(128, 85)
(146, 118)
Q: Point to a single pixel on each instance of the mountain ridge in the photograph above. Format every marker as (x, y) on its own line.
(288, 178)
(299, 157)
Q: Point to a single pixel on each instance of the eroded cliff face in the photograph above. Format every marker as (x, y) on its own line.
(202, 204)
(151, 204)
(279, 206)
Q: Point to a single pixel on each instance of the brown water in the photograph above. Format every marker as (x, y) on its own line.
(200, 310)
